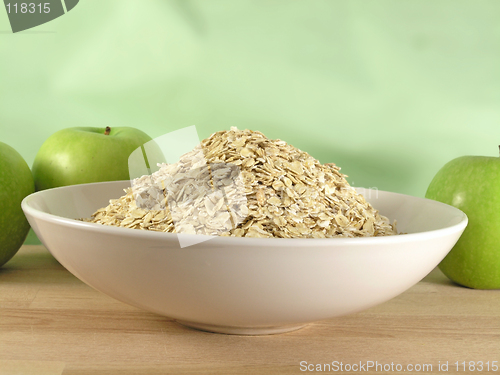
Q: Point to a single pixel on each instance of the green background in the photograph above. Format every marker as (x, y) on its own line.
(388, 90)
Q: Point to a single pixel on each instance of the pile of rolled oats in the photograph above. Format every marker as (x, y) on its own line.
(240, 183)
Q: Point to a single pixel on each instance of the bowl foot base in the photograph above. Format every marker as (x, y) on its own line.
(250, 331)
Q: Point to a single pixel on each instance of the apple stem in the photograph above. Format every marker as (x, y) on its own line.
(107, 131)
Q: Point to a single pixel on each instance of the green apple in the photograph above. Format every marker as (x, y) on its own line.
(16, 182)
(472, 184)
(85, 154)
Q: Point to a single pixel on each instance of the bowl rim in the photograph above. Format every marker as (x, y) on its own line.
(268, 242)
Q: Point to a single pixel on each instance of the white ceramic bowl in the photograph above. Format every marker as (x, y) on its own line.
(243, 285)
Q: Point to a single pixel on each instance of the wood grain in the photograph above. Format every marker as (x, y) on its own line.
(51, 323)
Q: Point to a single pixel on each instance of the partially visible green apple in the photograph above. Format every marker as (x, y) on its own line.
(16, 182)
(85, 154)
(472, 184)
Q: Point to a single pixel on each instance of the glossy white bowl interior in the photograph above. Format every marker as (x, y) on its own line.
(243, 285)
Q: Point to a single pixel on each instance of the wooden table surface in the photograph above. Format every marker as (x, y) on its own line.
(52, 324)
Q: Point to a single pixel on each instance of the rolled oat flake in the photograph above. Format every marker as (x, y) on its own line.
(240, 183)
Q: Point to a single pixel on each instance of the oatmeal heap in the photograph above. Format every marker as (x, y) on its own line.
(240, 183)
